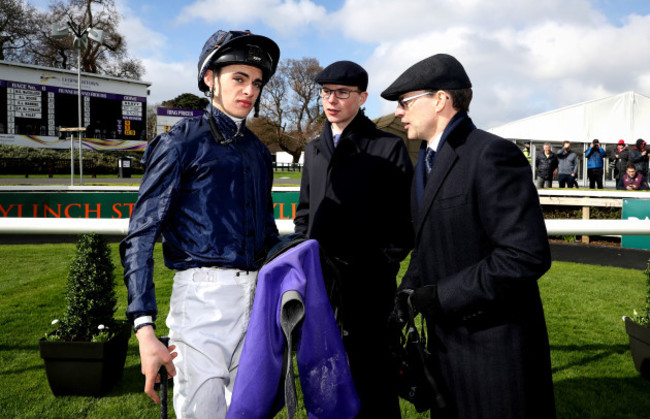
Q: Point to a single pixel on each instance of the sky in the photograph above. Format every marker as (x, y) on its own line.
(523, 57)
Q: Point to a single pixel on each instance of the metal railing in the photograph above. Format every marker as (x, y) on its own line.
(289, 167)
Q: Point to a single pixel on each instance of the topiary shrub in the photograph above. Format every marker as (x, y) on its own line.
(90, 294)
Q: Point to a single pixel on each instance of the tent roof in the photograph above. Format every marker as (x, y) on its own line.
(623, 116)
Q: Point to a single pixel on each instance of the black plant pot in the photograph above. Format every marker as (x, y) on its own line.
(639, 346)
(85, 368)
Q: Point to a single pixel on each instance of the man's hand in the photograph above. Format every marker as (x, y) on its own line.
(425, 300)
(154, 354)
(401, 309)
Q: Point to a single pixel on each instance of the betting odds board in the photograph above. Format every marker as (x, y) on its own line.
(36, 102)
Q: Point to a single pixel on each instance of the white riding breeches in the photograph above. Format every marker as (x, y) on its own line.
(208, 318)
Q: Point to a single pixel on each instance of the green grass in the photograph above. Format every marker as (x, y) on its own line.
(279, 174)
(32, 296)
(592, 368)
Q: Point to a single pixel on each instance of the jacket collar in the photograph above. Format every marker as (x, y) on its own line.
(453, 136)
(227, 127)
(360, 124)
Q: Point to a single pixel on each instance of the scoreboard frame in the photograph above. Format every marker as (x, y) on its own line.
(36, 102)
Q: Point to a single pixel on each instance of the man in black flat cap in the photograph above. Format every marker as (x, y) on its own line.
(480, 246)
(354, 199)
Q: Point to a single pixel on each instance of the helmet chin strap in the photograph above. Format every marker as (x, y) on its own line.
(257, 104)
(216, 134)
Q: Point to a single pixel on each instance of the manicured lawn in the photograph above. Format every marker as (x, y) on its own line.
(592, 369)
(279, 174)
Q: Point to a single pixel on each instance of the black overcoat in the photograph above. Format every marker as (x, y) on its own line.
(481, 238)
(355, 199)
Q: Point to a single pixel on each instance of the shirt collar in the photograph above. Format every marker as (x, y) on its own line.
(435, 142)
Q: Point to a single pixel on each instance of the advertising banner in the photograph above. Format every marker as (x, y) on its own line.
(102, 204)
(636, 209)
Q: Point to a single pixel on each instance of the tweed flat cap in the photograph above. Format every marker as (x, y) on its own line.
(346, 73)
(438, 72)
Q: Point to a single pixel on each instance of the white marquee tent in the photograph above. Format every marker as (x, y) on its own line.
(623, 116)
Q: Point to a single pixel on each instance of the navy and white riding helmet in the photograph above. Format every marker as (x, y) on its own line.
(238, 47)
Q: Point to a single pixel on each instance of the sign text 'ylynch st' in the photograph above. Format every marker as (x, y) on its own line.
(101, 205)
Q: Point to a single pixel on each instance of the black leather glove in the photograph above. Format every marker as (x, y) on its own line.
(425, 300)
(401, 309)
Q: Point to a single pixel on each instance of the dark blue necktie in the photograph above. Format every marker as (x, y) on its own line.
(428, 159)
(336, 139)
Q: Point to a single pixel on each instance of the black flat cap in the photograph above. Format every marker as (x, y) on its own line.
(346, 73)
(438, 72)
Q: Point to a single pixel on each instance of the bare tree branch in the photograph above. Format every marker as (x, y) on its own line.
(291, 112)
(25, 37)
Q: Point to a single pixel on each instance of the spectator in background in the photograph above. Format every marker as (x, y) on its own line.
(526, 151)
(620, 158)
(632, 180)
(639, 157)
(567, 166)
(595, 155)
(546, 164)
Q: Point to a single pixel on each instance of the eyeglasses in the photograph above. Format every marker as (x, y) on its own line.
(402, 103)
(338, 93)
